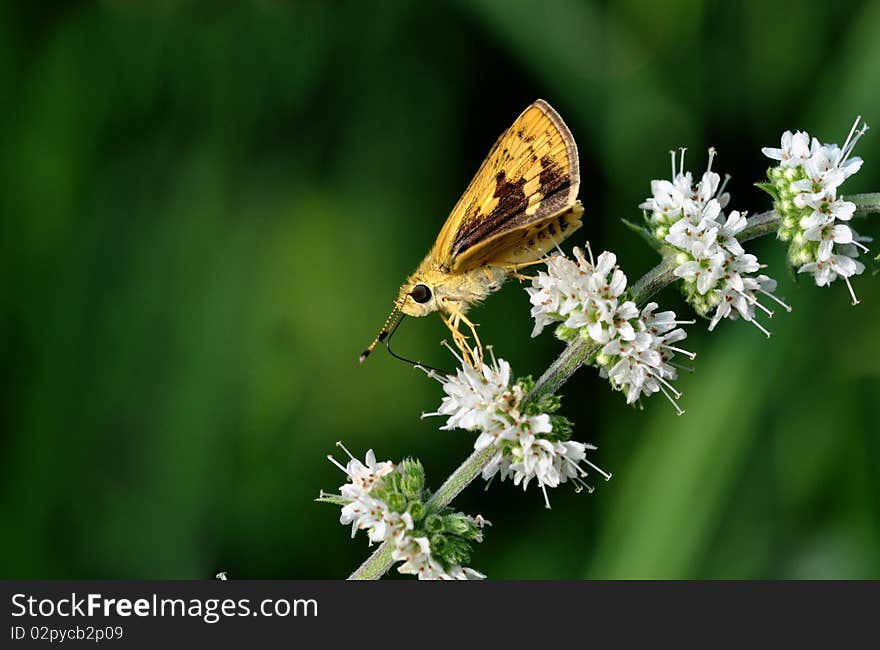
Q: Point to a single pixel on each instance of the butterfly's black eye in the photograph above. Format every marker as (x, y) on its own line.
(420, 293)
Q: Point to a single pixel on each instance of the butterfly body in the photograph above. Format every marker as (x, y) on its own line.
(521, 203)
(449, 292)
(460, 291)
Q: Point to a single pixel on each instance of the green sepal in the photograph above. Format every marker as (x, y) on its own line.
(526, 382)
(562, 428)
(547, 404)
(397, 502)
(412, 478)
(567, 334)
(463, 526)
(450, 551)
(434, 524)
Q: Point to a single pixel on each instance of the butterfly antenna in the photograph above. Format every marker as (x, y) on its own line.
(390, 325)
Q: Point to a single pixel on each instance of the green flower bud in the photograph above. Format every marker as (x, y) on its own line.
(455, 551)
(566, 334)
(562, 427)
(412, 478)
(458, 524)
(527, 383)
(417, 510)
(800, 255)
(547, 404)
(434, 524)
(397, 502)
(439, 546)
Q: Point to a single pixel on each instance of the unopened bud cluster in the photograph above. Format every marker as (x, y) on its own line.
(390, 502)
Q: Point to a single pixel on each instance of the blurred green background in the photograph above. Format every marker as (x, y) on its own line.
(207, 209)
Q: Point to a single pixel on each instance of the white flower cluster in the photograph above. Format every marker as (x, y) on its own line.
(483, 399)
(583, 294)
(587, 298)
(718, 273)
(816, 221)
(363, 509)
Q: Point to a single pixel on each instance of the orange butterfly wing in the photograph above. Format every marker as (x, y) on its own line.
(528, 181)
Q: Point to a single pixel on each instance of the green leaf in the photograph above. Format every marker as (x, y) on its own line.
(336, 501)
(770, 188)
(645, 234)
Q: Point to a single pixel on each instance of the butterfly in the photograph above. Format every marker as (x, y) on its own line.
(521, 203)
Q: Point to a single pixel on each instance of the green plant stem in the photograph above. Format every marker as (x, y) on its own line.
(576, 354)
(866, 203)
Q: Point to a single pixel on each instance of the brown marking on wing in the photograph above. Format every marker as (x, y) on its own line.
(526, 244)
(512, 207)
(511, 200)
(551, 176)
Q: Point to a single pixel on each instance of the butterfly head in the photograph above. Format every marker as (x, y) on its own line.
(415, 299)
(418, 297)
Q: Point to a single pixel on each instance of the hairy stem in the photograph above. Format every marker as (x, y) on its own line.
(865, 203)
(573, 357)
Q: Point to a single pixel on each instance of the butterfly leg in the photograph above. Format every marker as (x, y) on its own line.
(515, 266)
(459, 340)
(473, 356)
(473, 328)
(512, 268)
(522, 265)
(457, 318)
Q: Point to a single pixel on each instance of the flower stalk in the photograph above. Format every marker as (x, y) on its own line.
(577, 353)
